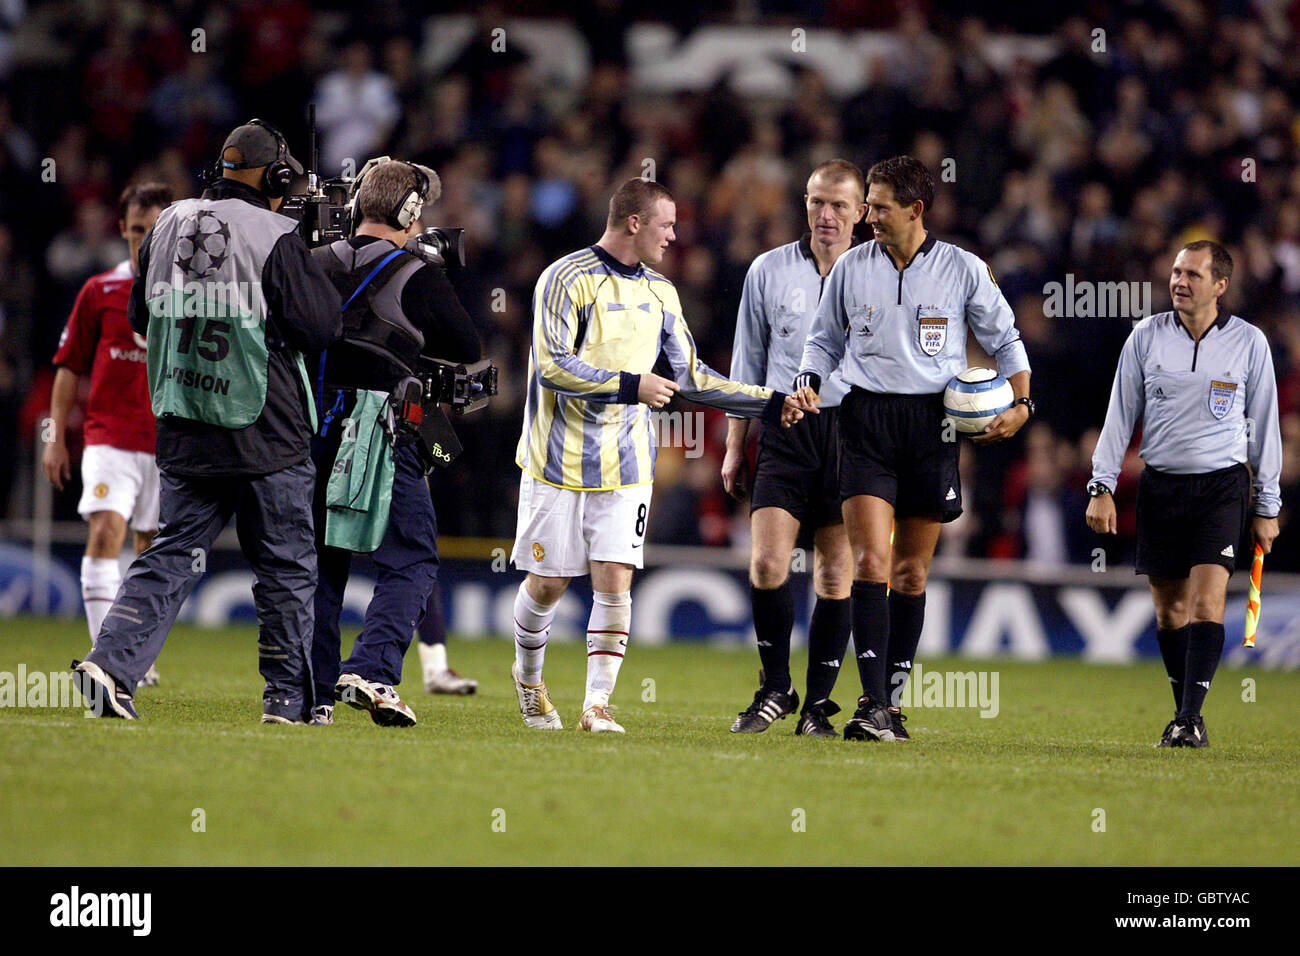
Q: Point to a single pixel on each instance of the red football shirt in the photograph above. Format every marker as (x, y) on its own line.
(98, 339)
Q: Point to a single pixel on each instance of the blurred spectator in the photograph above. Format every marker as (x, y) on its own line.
(267, 37)
(17, 294)
(18, 146)
(356, 110)
(86, 248)
(192, 108)
(115, 86)
(1045, 504)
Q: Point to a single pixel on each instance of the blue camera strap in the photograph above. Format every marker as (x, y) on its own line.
(328, 416)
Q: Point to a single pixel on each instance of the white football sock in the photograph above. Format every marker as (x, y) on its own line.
(433, 659)
(611, 617)
(100, 579)
(532, 626)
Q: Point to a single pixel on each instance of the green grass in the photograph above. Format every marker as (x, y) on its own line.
(677, 789)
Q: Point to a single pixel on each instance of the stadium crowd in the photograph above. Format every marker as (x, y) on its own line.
(1095, 165)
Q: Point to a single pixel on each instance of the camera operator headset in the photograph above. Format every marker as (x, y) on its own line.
(397, 306)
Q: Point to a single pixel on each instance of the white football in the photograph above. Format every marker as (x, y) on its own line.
(976, 397)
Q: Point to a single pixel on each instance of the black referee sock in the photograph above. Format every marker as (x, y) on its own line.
(871, 637)
(773, 620)
(828, 638)
(1204, 645)
(1173, 648)
(906, 617)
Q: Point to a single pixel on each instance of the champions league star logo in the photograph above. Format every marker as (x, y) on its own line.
(204, 245)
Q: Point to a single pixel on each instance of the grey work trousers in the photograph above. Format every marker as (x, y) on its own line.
(273, 519)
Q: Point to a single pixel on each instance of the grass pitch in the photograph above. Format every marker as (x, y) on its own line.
(471, 785)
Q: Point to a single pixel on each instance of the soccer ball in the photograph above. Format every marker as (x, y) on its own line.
(976, 397)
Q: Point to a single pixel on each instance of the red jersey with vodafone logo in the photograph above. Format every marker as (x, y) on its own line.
(100, 341)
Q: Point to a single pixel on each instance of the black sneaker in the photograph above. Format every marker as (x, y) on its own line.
(869, 722)
(896, 720)
(815, 720)
(1189, 732)
(768, 706)
(1167, 738)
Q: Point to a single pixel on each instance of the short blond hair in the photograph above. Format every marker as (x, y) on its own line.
(838, 170)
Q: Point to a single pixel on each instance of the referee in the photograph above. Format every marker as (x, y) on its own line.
(894, 319)
(1201, 381)
(796, 478)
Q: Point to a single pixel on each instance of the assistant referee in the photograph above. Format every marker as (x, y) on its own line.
(1201, 381)
(796, 481)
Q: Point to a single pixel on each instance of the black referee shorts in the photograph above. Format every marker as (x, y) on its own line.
(1186, 520)
(798, 470)
(892, 447)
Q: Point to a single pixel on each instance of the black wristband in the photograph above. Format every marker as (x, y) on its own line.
(772, 410)
(628, 385)
(806, 380)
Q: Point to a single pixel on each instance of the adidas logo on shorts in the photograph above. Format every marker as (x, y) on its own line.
(951, 496)
(1228, 552)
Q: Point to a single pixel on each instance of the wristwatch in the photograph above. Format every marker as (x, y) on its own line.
(1027, 402)
(1096, 489)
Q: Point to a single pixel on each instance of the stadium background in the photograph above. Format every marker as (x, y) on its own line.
(1066, 160)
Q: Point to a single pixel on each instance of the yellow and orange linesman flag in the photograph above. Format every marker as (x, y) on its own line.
(1252, 602)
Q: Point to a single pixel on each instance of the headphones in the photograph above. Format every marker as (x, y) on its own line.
(408, 209)
(279, 175)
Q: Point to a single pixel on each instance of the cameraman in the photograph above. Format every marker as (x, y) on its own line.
(229, 298)
(407, 308)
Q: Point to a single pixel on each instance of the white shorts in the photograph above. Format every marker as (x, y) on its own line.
(121, 481)
(559, 531)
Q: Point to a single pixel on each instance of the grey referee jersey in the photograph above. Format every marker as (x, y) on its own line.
(777, 305)
(903, 332)
(1194, 400)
